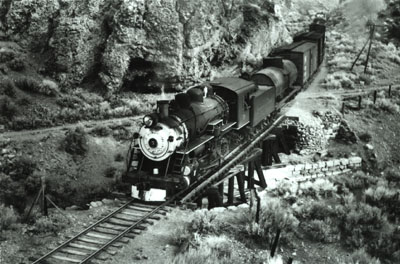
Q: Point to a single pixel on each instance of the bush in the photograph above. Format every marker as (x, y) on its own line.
(366, 137)
(76, 142)
(8, 108)
(361, 257)
(110, 172)
(360, 223)
(7, 87)
(69, 101)
(8, 217)
(388, 106)
(17, 64)
(318, 210)
(48, 87)
(24, 101)
(46, 224)
(273, 216)
(102, 131)
(22, 168)
(6, 55)
(28, 84)
(322, 231)
(385, 198)
(393, 176)
(119, 157)
(204, 222)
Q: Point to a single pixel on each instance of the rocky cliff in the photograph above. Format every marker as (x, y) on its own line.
(144, 44)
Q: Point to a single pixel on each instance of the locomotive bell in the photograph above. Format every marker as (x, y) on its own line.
(163, 108)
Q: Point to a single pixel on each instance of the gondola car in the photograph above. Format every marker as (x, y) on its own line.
(191, 134)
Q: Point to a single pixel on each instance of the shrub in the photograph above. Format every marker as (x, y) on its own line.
(17, 64)
(393, 176)
(24, 101)
(119, 157)
(8, 217)
(360, 256)
(46, 224)
(28, 84)
(110, 172)
(102, 131)
(320, 230)
(70, 101)
(204, 222)
(7, 87)
(12, 192)
(321, 187)
(48, 87)
(386, 245)
(76, 142)
(6, 55)
(202, 255)
(366, 78)
(366, 137)
(360, 223)
(22, 168)
(318, 210)
(388, 106)
(21, 123)
(385, 198)
(8, 108)
(273, 216)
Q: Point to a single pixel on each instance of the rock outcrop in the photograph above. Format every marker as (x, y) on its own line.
(138, 44)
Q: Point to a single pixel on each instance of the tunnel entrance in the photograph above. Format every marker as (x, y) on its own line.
(141, 77)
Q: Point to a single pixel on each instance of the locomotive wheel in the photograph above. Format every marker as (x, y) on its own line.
(214, 198)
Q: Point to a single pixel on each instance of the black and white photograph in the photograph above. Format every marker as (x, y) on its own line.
(200, 131)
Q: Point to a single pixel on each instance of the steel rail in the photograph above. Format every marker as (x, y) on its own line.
(123, 233)
(84, 232)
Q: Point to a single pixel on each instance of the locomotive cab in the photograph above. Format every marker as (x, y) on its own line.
(237, 92)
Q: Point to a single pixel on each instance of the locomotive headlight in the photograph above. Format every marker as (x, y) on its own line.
(148, 120)
(186, 170)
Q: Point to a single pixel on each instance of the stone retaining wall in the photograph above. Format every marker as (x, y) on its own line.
(303, 172)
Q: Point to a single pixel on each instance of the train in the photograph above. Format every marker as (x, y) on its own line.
(193, 133)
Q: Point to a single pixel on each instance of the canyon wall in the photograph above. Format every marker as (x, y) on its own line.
(145, 44)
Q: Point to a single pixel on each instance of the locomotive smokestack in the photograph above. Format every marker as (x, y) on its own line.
(163, 106)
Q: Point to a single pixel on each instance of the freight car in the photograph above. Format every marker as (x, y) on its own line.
(192, 133)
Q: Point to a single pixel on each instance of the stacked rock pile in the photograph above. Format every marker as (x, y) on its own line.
(345, 134)
(312, 138)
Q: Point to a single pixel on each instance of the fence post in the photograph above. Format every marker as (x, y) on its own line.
(44, 200)
(390, 91)
(375, 94)
(258, 206)
(231, 188)
(343, 106)
(275, 244)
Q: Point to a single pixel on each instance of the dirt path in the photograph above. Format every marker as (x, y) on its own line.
(40, 133)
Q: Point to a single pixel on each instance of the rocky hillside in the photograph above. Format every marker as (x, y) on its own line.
(136, 44)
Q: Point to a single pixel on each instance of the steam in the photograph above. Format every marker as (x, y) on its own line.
(359, 12)
(163, 95)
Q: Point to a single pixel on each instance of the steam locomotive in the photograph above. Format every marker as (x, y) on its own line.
(194, 132)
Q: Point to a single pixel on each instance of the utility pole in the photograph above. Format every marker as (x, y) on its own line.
(371, 37)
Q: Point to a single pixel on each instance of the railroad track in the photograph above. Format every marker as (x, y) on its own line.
(101, 239)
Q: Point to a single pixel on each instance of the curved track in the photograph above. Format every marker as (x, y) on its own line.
(100, 239)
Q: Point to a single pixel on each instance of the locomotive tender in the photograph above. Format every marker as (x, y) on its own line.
(191, 134)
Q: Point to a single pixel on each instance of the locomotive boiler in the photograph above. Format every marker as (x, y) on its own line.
(192, 134)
